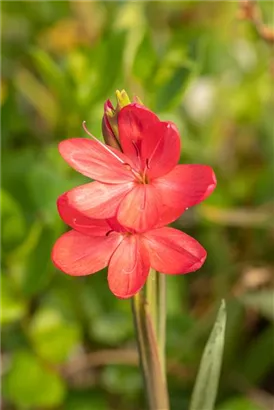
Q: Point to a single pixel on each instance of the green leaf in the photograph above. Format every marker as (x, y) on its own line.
(39, 267)
(52, 336)
(171, 92)
(15, 171)
(145, 59)
(13, 223)
(12, 307)
(86, 400)
(239, 403)
(37, 96)
(206, 385)
(109, 59)
(51, 73)
(120, 325)
(255, 364)
(122, 379)
(30, 383)
(45, 184)
(262, 301)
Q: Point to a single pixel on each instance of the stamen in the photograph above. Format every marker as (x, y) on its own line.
(147, 167)
(128, 166)
(100, 143)
(136, 148)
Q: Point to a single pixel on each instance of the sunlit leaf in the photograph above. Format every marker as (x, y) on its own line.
(30, 383)
(207, 381)
(37, 95)
(12, 307)
(240, 403)
(53, 76)
(53, 337)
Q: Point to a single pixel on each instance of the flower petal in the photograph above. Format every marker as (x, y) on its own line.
(115, 225)
(184, 186)
(133, 120)
(128, 267)
(80, 222)
(139, 210)
(95, 160)
(160, 149)
(173, 252)
(79, 255)
(97, 200)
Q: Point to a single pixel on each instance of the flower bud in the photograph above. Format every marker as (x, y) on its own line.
(109, 127)
(109, 122)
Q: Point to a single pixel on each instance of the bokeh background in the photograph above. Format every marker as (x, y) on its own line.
(68, 343)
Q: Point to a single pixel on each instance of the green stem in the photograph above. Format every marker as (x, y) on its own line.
(162, 321)
(151, 296)
(137, 317)
(154, 380)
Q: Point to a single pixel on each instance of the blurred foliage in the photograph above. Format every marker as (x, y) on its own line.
(194, 63)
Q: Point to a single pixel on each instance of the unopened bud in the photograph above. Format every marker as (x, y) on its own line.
(109, 127)
(110, 123)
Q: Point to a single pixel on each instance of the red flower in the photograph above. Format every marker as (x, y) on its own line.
(142, 186)
(93, 244)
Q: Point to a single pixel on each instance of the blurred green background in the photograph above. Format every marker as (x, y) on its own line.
(68, 343)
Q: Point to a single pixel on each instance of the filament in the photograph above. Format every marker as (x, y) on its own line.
(100, 143)
(136, 148)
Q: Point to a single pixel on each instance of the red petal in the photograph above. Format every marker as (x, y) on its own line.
(184, 186)
(139, 210)
(80, 222)
(160, 149)
(128, 267)
(78, 255)
(115, 225)
(95, 161)
(97, 200)
(172, 251)
(133, 120)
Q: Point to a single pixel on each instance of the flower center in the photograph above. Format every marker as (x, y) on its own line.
(140, 177)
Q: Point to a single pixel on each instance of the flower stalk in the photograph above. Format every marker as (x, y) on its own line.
(162, 321)
(154, 381)
(156, 299)
(151, 296)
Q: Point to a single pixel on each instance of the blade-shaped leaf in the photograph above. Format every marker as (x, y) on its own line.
(206, 385)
